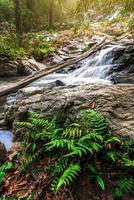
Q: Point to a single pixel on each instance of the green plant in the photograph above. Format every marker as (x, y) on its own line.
(124, 185)
(38, 46)
(85, 146)
(4, 169)
(9, 46)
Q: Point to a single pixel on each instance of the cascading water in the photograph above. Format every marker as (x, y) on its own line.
(94, 69)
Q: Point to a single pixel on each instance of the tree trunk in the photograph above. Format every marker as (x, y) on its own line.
(51, 4)
(18, 21)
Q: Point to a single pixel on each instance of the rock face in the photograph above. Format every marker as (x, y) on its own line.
(3, 153)
(123, 63)
(116, 102)
(9, 68)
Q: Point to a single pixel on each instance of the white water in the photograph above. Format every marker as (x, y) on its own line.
(94, 69)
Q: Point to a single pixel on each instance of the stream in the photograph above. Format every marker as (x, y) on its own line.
(96, 69)
(100, 68)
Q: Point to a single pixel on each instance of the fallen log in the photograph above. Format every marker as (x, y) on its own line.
(47, 71)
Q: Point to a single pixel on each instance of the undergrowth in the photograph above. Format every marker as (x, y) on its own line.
(84, 146)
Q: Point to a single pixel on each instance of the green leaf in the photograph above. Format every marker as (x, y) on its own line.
(92, 168)
(112, 155)
(100, 182)
(2, 174)
(8, 166)
(68, 176)
(113, 139)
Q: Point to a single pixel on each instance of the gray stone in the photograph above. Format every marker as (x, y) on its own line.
(116, 102)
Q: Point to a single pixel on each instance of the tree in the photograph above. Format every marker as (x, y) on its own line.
(51, 6)
(18, 21)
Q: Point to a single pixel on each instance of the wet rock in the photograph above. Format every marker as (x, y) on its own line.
(3, 153)
(123, 59)
(59, 83)
(124, 78)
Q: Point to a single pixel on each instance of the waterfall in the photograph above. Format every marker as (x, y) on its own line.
(94, 69)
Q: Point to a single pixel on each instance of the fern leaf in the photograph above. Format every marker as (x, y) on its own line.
(124, 185)
(113, 139)
(112, 155)
(89, 136)
(68, 176)
(72, 132)
(61, 143)
(60, 166)
(95, 121)
(100, 182)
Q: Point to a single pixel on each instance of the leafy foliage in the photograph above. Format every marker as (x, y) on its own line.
(95, 122)
(3, 169)
(9, 47)
(124, 185)
(85, 146)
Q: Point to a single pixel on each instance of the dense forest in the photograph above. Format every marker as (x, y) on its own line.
(66, 99)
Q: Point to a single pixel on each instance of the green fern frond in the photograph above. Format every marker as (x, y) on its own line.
(89, 136)
(113, 139)
(70, 173)
(100, 182)
(95, 122)
(25, 125)
(36, 120)
(127, 161)
(28, 161)
(60, 143)
(124, 185)
(112, 155)
(95, 146)
(84, 148)
(72, 132)
(60, 166)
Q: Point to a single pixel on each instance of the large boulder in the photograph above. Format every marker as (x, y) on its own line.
(9, 68)
(116, 102)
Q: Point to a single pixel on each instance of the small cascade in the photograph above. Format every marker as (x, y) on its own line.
(95, 69)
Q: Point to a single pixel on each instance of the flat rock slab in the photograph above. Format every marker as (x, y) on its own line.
(116, 102)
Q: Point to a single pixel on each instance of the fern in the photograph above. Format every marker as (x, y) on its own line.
(72, 132)
(94, 121)
(112, 155)
(73, 147)
(124, 185)
(29, 159)
(60, 143)
(69, 174)
(127, 161)
(60, 166)
(97, 176)
(113, 139)
(91, 136)
(4, 169)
